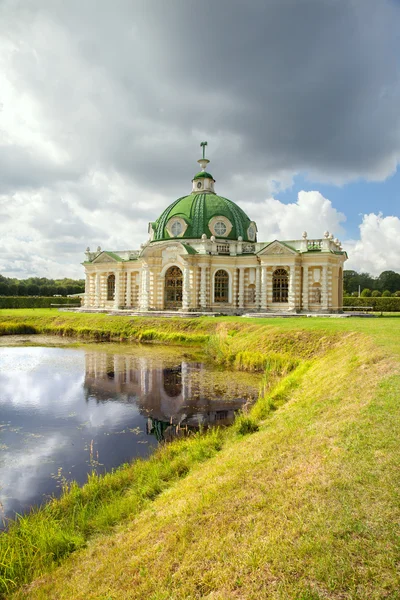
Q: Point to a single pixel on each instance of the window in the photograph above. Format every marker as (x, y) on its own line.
(251, 233)
(220, 228)
(221, 286)
(176, 228)
(111, 287)
(173, 288)
(280, 286)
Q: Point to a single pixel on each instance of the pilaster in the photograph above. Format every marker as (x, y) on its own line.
(258, 287)
(128, 299)
(264, 290)
(97, 290)
(117, 289)
(186, 288)
(241, 288)
(305, 288)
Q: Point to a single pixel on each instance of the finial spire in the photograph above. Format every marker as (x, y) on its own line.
(203, 162)
(204, 144)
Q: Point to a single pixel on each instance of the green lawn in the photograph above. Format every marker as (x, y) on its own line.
(305, 508)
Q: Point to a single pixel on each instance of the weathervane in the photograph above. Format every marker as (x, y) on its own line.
(204, 144)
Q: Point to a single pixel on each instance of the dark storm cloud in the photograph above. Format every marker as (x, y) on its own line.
(298, 84)
(128, 89)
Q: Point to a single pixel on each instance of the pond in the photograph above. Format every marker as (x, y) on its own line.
(66, 411)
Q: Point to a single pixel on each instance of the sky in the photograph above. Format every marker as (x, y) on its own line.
(103, 106)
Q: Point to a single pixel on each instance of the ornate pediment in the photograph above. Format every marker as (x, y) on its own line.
(104, 257)
(276, 248)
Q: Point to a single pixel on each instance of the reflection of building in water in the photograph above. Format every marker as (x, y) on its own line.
(184, 395)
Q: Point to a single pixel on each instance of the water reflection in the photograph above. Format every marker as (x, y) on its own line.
(174, 398)
(65, 412)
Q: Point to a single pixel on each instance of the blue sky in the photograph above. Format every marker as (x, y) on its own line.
(353, 199)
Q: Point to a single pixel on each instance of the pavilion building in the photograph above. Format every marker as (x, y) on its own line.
(203, 255)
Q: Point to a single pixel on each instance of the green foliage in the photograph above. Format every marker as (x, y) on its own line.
(245, 424)
(34, 302)
(366, 293)
(384, 304)
(376, 294)
(387, 280)
(40, 286)
(386, 294)
(34, 543)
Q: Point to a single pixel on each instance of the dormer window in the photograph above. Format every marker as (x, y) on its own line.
(220, 228)
(176, 228)
(251, 232)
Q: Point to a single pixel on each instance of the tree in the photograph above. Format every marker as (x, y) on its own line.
(366, 293)
(32, 289)
(388, 280)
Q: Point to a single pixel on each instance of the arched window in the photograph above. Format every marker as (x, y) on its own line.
(173, 288)
(221, 286)
(280, 286)
(111, 287)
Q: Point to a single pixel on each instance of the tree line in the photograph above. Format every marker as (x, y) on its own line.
(386, 284)
(40, 286)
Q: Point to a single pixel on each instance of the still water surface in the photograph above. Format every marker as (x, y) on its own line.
(67, 411)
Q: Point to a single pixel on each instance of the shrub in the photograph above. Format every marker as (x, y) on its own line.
(386, 294)
(34, 302)
(366, 293)
(385, 304)
(376, 294)
(245, 424)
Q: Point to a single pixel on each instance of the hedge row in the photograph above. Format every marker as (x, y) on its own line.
(378, 304)
(34, 301)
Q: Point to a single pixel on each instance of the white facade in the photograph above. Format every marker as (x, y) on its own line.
(292, 276)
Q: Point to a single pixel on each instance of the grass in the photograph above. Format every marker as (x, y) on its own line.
(298, 500)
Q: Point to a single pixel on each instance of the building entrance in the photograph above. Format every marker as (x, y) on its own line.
(173, 288)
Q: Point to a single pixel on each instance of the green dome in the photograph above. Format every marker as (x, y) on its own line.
(197, 210)
(202, 175)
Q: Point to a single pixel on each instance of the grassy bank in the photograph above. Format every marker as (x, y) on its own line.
(306, 507)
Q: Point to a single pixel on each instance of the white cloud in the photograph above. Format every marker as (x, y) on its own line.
(312, 213)
(378, 248)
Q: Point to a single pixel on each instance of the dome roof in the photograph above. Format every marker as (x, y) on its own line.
(197, 210)
(202, 175)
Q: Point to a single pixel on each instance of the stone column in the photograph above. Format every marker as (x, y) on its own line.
(117, 289)
(186, 288)
(128, 301)
(270, 278)
(97, 290)
(203, 287)
(264, 288)
(305, 288)
(241, 288)
(87, 290)
(258, 287)
(144, 289)
(292, 290)
(324, 288)
(235, 288)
